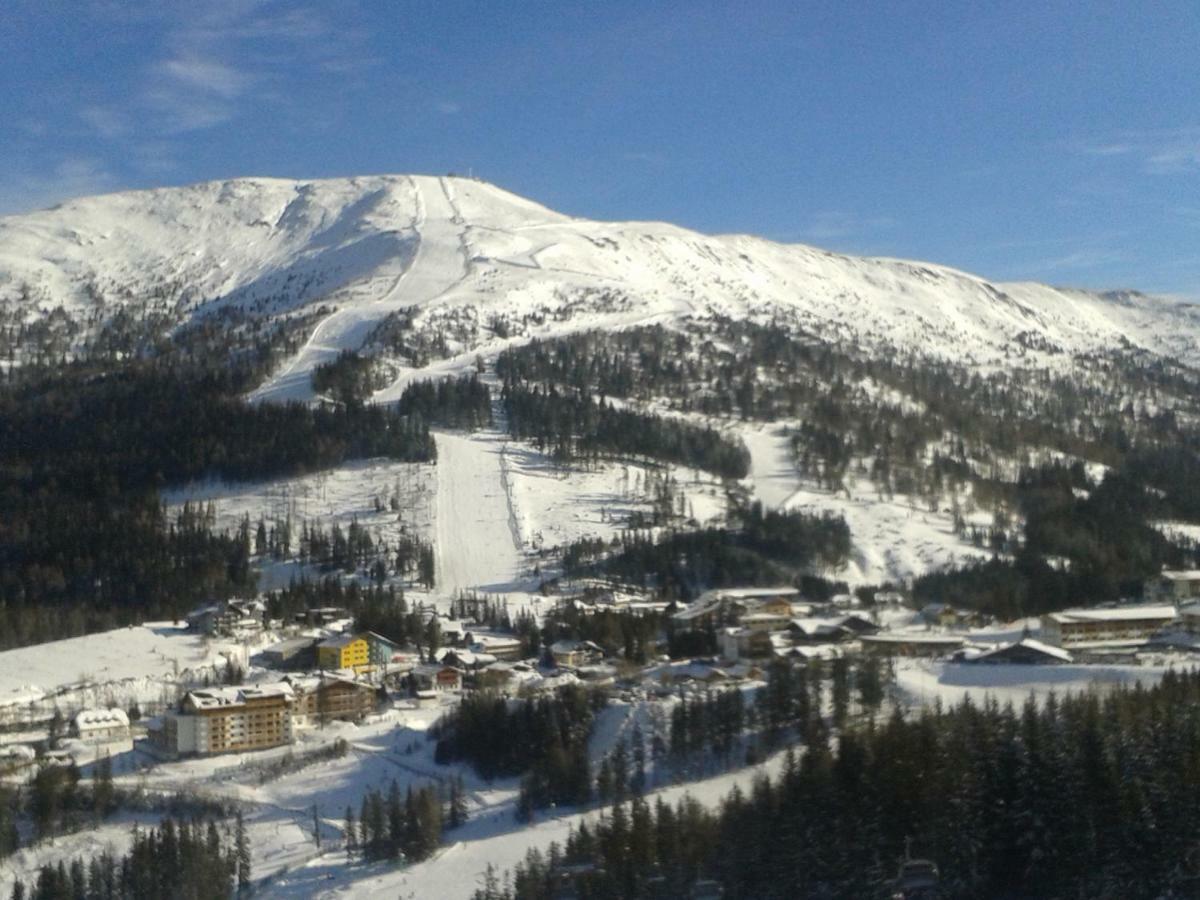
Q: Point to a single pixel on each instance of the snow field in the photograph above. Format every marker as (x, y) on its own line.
(457, 870)
(139, 663)
(557, 504)
(924, 682)
(336, 496)
(894, 540)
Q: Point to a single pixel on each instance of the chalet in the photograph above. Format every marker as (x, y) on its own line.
(944, 615)
(223, 720)
(683, 671)
(910, 643)
(507, 677)
(467, 660)
(1189, 614)
(100, 725)
(501, 646)
(892, 599)
(775, 605)
(16, 756)
(403, 659)
(1026, 651)
(745, 643)
(575, 653)
(324, 697)
(859, 624)
(321, 616)
(203, 619)
(454, 632)
(766, 621)
(599, 674)
(232, 618)
(715, 608)
(1174, 586)
(437, 678)
(830, 630)
(806, 653)
(1074, 627)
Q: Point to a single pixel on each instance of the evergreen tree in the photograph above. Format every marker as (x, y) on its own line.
(351, 831)
(242, 855)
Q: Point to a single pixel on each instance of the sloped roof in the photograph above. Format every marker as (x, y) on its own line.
(101, 718)
(1029, 644)
(1115, 614)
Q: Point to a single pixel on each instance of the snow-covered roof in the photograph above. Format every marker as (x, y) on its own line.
(815, 627)
(341, 641)
(213, 698)
(1030, 643)
(307, 683)
(687, 669)
(751, 618)
(1185, 575)
(490, 641)
(296, 643)
(911, 637)
(711, 601)
(432, 669)
(756, 592)
(466, 657)
(809, 651)
(101, 718)
(1115, 614)
(704, 604)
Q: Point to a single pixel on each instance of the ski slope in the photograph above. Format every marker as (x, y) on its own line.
(457, 870)
(477, 543)
(438, 264)
(894, 538)
(370, 245)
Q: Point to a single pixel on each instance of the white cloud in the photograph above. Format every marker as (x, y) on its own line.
(220, 59)
(1080, 259)
(206, 75)
(1164, 151)
(105, 121)
(834, 224)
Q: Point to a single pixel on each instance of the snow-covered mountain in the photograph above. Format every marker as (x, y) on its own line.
(465, 252)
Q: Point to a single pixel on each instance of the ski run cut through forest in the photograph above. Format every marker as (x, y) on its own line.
(399, 536)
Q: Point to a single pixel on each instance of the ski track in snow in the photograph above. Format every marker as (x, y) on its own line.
(457, 869)
(476, 546)
(437, 266)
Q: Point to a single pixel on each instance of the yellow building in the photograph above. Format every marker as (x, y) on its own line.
(349, 651)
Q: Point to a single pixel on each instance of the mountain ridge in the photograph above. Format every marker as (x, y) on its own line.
(451, 248)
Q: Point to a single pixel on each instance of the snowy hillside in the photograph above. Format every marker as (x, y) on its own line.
(462, 270)
(367, 247)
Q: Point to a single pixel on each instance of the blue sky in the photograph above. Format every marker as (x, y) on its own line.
(1042, 140)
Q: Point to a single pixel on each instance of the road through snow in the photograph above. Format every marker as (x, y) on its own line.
(476, 544)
